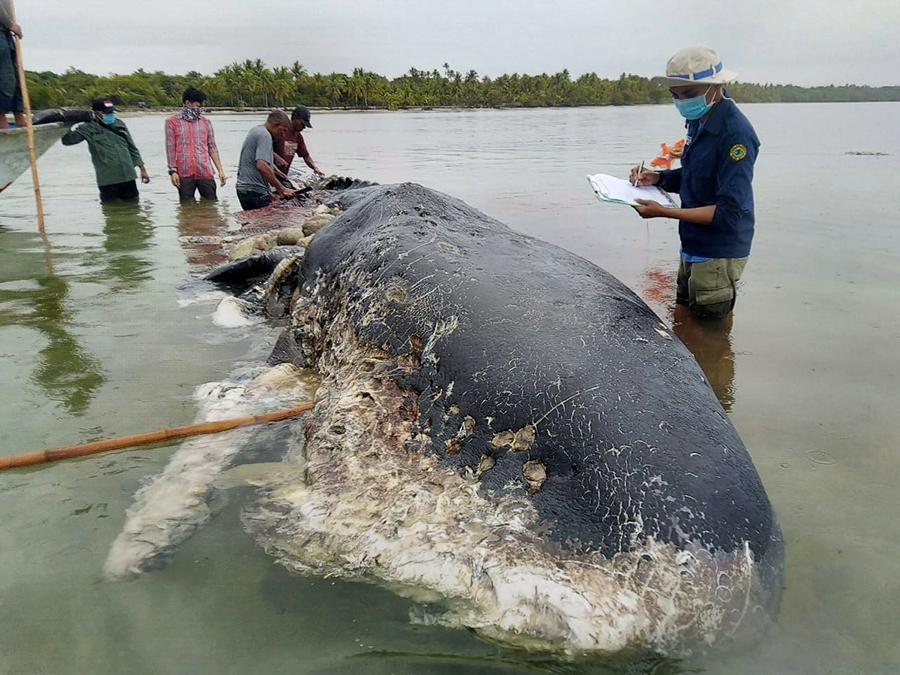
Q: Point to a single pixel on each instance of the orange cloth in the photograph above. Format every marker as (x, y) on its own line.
(668, 155)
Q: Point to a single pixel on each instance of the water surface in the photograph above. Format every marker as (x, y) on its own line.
(94, 343)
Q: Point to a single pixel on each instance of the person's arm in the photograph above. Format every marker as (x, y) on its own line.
(269, 174)
(278, 155)
(136, 155)
(734, 192)
(700, 215)
(218, 163)
(280, 175)
(6, 19)
(214, 153)
(171, 140)
(312, 165)
(734, 177)
(669, 180)
(265, 159)
(73, 136)
(303, 152)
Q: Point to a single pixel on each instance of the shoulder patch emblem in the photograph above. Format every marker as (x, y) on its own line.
(737, 152)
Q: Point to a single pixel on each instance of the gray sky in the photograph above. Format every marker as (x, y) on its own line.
(804, 42)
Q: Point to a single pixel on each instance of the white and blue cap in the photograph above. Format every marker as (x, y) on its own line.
(696, 65)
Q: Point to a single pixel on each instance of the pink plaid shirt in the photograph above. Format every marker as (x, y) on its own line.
(189, 146)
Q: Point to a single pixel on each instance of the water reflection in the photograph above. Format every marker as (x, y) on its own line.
(128, 228)
(383, 662)
(709, 340)
(33, 296)
(200, 227)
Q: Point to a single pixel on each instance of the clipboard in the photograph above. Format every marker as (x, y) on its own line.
(614, 190)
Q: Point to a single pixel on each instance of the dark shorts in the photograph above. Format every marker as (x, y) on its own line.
(123, 192)
(10, 92)
(709, 288)
(205, 186)
(253, 200)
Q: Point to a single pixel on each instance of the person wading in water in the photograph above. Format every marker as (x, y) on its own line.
(113, 152)
(716, 220)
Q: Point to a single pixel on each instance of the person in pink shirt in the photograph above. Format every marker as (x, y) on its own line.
(190, 145)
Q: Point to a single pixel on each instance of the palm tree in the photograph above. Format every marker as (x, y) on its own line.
(282, 84)
(252, 83)
(266, 82)
(337, 85)
(356, 85)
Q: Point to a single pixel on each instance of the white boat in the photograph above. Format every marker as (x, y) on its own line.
(14, 156)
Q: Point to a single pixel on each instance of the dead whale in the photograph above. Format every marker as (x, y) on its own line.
(505, 428)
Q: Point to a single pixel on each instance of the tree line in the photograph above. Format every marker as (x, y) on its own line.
(253, 84)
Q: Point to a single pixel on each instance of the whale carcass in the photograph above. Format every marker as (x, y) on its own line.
(506, 428)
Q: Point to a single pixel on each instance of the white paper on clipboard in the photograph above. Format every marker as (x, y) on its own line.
(620, 191)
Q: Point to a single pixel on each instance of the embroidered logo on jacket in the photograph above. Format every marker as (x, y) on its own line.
(737, 152)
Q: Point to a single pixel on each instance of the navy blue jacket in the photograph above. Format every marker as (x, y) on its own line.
(717, 168)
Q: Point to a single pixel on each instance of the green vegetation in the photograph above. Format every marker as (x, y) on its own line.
(252, 84)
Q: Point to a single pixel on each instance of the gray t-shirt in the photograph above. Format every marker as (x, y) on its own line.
(257, 145)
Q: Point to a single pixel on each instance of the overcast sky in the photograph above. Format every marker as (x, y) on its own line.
(804, 42)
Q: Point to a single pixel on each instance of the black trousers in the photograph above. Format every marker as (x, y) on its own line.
(10, 90)
(125, 192)
(253, 200)
(205, 186)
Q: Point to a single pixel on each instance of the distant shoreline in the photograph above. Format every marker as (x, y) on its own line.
(250, 85)
(131, 111)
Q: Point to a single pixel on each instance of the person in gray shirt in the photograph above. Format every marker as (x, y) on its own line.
(255, 168)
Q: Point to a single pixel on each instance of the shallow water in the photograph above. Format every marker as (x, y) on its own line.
(101, 336)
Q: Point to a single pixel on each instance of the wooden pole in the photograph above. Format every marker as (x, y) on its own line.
(44, 456)
(23, 84)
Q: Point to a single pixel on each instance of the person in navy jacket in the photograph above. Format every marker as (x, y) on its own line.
(715, 221)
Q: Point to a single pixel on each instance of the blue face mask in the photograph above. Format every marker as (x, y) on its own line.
(109, 118)
(693, 108)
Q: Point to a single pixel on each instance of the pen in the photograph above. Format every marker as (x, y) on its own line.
(637, 178)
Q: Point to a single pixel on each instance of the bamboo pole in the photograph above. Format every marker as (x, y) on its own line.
(23, 84)
(44, 456)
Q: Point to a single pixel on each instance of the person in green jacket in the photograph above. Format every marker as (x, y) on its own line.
(113, 152)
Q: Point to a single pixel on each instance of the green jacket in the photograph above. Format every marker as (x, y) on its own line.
(112, 150)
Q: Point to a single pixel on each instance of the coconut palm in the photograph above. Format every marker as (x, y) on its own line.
(282, 84)
(337, 85)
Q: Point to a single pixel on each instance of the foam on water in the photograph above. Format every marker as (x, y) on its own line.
(233, 313)
(186, 298)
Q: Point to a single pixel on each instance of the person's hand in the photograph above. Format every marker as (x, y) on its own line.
(287, 194)
(280, 162)
(174, 177)
(643, 178)
(222, 179)
(145, 177)
(16, 30)
(650, 209)
(319, 172)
